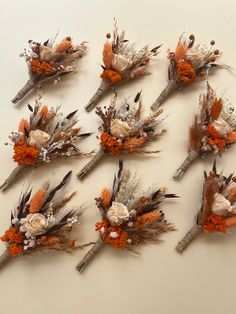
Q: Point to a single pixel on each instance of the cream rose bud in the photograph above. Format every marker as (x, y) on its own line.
(119, 128)
(38, 138)
(120, 63)
(117, 214)
(46, 53)
(222, 127)
(221, 205)
(35, 224)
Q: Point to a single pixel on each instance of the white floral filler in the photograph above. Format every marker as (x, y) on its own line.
(130, 217)
(49, 61)
(122, 63)
(41, 223)
(46, 136)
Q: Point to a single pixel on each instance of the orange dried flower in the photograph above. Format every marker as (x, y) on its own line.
(231, 138)
(106, 197)
(15, 249)
(64, 46)
(120, 241)
(13, 235)
(216, 108)
(111, 76)
(24, 154)
(185, 71)
(213, 133)
(214, 223)
(111, 144)
(37, 201)
(133, 143)
(44, 111)
(41, 67)
(180, 50)
(101, 224)
(146, 219)
(23, 125)
(107, 54)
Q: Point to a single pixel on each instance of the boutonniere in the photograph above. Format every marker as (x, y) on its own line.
(213, 130)
(122, 63)
(49, 61)
(129, 217)
(41, 223)
(124, 130)
(43, 138)
(217, 212)
(188, 63)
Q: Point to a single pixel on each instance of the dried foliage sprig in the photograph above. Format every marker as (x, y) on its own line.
(129, 217)
(121, 64)
(188, 63)
(124, 130)
(213, 129)
(41, 223)
(218, 207)
(49, 61)
(46, 136)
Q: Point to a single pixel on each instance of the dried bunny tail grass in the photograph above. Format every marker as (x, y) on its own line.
(106, 197)
(216, 108)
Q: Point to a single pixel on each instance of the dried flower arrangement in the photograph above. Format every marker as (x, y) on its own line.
(49, 61)
(122, 63)
(40, 223)
(46, 136)
(188, 63)
(123, 130)
(213, 129)
(129, 217)
(218, 207)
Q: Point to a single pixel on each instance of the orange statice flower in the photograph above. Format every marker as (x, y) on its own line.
(214, 223)
(118, 242)
(25, 154)
(37, 201)
(15, 249)
(111, 144)
(111, 76)
(101, 224)
(13, 235)
(185, 71)
(41, 67)
(213, 133)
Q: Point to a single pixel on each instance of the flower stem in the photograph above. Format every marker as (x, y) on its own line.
(193, 155)
(97, 96)
(90, 255)
(91, 164)
(188, 238)
(24, 91)
(170, 87)
(15, 173)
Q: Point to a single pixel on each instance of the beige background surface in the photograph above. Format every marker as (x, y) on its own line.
(159, 280)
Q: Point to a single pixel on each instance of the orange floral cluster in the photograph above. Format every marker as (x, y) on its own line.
(119, 242)
(25, 154)
(64, 46)
(110, 143)
(185, 71)
(146, 219)
(133, 143)
(49, 241)
(41, 67)
(111, 76)
(215, 138)
(214, 223)
(15, 237)
(37, 201)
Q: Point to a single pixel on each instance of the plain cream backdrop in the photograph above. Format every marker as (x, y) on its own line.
(159, 280)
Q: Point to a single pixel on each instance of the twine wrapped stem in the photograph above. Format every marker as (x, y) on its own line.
(97, 96)
(192, 156)
(24, 91)
(91, 164)
(188, 238)
(170, 87)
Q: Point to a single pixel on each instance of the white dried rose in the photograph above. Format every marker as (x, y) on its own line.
(35, 224)
(38, 138)
(46, 53)
(119, 128)
(117, 214)
(222, 127)
(221, 205)
(120, 63)
(195, 56)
